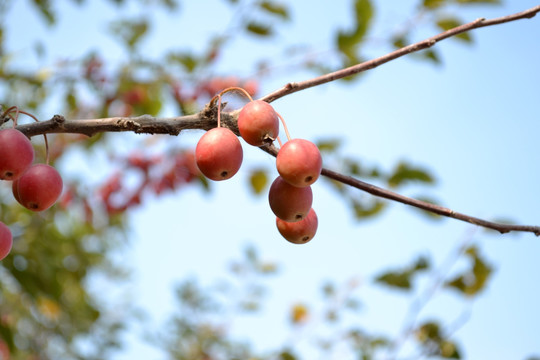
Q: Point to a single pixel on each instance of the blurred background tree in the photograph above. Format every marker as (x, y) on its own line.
(48, 308)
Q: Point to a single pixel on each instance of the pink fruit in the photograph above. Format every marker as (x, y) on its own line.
(16, 154)
(299, 162)
(219, 154)
(38, 188)
(6, 240)
(299, 232)
(258, 123)
(288, 202)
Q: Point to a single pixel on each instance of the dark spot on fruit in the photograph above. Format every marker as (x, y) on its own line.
(224, 174)
(299, 217)
(308, 179)
(33, 206)
(305, 238)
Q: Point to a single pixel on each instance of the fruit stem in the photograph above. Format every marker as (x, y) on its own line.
(8, 113)
(279, 142)
(239, 89)
(219, 111)
(284, 126)
(44, 135)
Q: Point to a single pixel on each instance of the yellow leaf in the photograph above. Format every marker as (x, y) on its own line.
(299, 314)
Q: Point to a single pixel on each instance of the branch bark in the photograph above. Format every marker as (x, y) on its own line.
(436, 209)
(293, 87)
(207, 119)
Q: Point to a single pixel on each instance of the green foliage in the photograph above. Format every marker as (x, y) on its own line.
(406, 173)
(258, 29)
(433, 340)
(275, 8)
(130, 31)
(348, 42)
(45, 9)
(494, 2)
(474, 280)
(43, 285)
(363, 209)
(432, 4)
(402, 279)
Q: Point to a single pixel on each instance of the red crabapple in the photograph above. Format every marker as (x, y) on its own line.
(288, 202)
(6, 240)
(258, 123)
(16, 154)
(299, 232)
(299, 162)
(219, 154)
(38, 188)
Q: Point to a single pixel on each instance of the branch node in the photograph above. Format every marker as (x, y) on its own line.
(58, 119)
(129, 124)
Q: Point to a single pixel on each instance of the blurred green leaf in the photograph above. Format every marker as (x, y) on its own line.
(432, 4)
(405, 173)
(471, 282)
(447, 23)
(130, 32)
(402, 279)
(45, 9)
(258, 180)
(329, 289)
(258, 29)
(349, 41)
(395, 279)
(399, 42)
(364, 210)
(429, 331)
(188, 61)
(328, 145)
(479, 2)
(449, 350)
(6, 336)
(429, 55)
(275, 9)
(287, 355)
(431, 336)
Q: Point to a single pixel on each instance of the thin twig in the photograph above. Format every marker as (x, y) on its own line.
(293, 87)
(436, 209)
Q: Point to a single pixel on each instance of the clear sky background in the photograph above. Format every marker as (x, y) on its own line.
(474, 122)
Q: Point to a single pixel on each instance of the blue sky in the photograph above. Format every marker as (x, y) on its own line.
(473, 122)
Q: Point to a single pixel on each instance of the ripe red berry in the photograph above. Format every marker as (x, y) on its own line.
(299, 232)
(299, 162)
(16, 154)
(38, 188)
(219, 154)
(258, 123)
(6, 240)
(288, 202)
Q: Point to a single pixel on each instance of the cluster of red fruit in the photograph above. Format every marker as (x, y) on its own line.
(36, 187)
(219, 156)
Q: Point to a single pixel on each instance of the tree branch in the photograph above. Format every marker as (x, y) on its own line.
(144, 124)
(371, 64)
(436, 209)
(207, 119)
